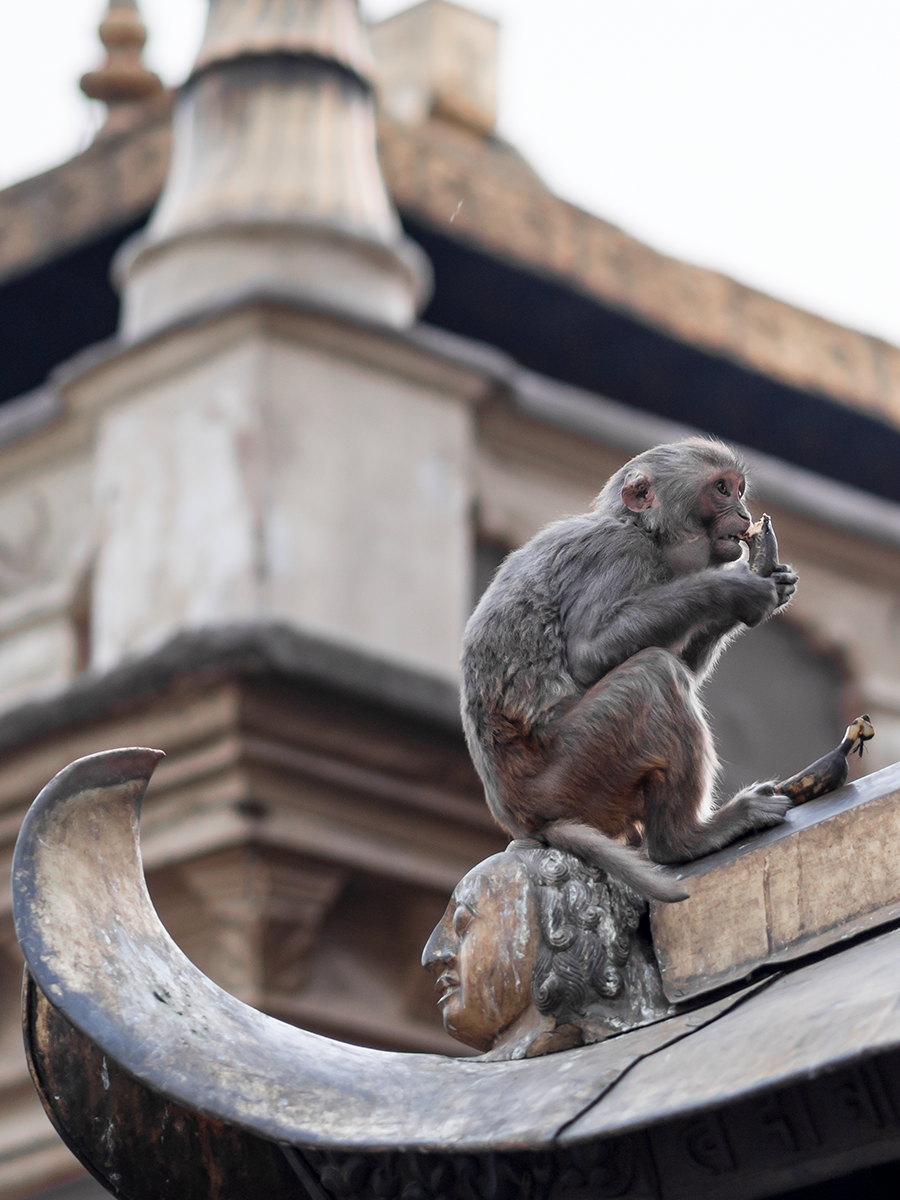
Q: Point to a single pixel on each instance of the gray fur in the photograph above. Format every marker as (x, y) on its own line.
(586, 594)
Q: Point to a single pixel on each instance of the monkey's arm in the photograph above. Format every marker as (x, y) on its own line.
(667, 615)
(704, 646)
(707, 642)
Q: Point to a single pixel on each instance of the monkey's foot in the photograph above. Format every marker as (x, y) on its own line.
(759, 806)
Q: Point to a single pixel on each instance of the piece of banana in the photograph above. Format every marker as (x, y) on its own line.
(830, 772)
(760, 539)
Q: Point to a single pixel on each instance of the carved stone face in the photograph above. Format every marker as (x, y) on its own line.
(482, 954)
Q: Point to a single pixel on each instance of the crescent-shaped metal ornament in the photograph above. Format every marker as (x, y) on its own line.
(123, 1030)
(97, 949)
(167, 1087)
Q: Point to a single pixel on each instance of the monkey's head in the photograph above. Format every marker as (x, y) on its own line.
(689, 495)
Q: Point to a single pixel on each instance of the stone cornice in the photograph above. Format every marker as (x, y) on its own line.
(255, 649)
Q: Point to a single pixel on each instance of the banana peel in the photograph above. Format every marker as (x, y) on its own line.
(763, 547)
(829, 773)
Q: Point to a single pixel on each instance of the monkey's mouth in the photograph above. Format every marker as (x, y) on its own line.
(727, 547)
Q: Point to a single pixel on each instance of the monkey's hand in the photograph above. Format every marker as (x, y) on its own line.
(752, 598)
(785, 581)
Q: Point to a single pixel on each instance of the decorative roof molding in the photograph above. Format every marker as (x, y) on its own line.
(590, 415)
(115, 181)
(255, 649)
(330, 31)
(581, 412)
(507, 211)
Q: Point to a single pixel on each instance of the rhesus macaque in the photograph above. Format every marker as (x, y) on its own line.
(582, 662)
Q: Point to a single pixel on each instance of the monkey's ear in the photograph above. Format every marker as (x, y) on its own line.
(638, 492)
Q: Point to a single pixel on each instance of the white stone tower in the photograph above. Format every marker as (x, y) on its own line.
(270, 445)
(274, 181)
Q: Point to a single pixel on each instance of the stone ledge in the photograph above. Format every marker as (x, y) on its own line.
(252, 648)
(830, 873)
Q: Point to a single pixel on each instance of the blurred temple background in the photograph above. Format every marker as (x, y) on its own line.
(289, 360)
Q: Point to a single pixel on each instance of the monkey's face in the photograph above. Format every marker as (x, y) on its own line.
(482, 954)
(722, 513)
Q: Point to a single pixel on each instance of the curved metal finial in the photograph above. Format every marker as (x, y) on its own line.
(123, 78)
(96, 948)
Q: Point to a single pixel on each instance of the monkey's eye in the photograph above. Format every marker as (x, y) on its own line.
(722, 486)
(462, 919)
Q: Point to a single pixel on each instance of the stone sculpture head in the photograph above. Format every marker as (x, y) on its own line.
(537, 951)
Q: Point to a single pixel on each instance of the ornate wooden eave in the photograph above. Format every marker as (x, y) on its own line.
(166, 1086)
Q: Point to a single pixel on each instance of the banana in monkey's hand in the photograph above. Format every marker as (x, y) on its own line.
(830, 772)
(763, 547)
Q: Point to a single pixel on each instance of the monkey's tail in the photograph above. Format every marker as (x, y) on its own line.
(623, 862)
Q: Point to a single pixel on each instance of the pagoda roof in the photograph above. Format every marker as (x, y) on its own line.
(506, 211)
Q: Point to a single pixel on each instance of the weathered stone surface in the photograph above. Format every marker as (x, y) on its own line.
(793, 1079)
(830, 873)
(277, 477)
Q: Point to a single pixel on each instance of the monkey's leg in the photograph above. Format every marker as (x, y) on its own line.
(682, 820)
(708, 826)
(756, 807)
(580, 782)
(636, 749)
(632, 754)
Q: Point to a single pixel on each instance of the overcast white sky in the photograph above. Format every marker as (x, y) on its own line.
(759, 137)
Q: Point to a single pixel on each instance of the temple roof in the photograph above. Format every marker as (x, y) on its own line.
(789, 1078)
(507, 211)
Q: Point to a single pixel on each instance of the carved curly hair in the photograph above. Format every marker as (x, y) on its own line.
(586, 922)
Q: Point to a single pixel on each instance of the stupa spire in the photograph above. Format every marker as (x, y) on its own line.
(122, 80)
(274, 183)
